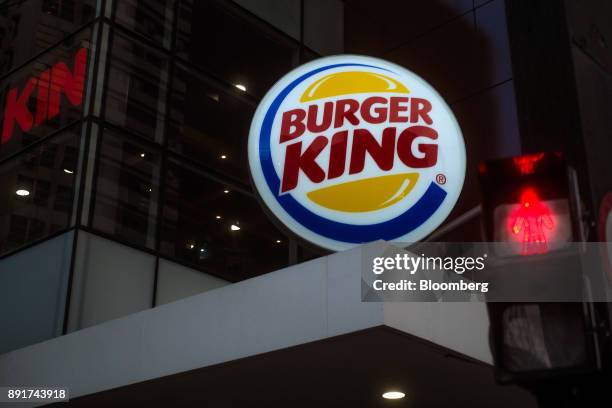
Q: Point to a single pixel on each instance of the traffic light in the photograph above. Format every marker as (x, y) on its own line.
(527, 203)
(530, 217)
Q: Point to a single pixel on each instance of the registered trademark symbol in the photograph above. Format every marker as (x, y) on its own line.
(441, 178)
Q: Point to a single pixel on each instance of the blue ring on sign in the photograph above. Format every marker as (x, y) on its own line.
(394, 228)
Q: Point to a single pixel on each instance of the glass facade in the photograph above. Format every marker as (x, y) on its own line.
(238, 51)
(44, 95)
(127, 189)
(37, 190)
(217, 227)
(28, 28)
(132, 117)
(136, 87)
(209, 121)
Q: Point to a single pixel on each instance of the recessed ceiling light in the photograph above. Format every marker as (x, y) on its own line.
(191, 246)
(392, 395)
(226, 191)
(22, 192)
(278, 241)
(142, 155)
(202, 249)
(234, 227)
(218, 217)
(68, 171)
(241, 87)
(223, 156)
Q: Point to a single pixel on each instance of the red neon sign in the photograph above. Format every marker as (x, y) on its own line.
(529, 222)
(49, 87)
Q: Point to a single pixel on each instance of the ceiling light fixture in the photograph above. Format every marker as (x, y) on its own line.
(21, 192)
(68, 171)
(226, 191)
(142, 155)
(218, 217)
(241, 87)
(234, 228)
(393, 395)
(223, 156)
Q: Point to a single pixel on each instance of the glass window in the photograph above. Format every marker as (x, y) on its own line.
(30, 27)
(151, 18)
(210, 123)
(243, 52)
(216, 228)
(37, 189)
(136, 87)
(45, 95)
(127, 189)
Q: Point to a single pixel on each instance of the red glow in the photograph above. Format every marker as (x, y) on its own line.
(49, 86)
(529, 221)
(526, 163)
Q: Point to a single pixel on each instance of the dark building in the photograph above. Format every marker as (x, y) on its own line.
(137, 135)
(124, 180)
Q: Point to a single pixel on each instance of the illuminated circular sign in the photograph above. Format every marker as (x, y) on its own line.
(351, 149)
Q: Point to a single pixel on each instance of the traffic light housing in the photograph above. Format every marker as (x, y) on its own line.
(530, 203)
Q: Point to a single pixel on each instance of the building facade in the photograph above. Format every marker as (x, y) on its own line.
(124, 175)
(125, 128)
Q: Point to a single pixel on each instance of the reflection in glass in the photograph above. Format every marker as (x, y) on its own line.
(36, 195)
(209, 124)
(237, 50)
(126, 190)
(136, 88)
(222, 233)
(48, 94)
(30, 27)
(151, 18)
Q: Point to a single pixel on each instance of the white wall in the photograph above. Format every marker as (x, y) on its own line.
(296, 305)
(110, 280)
(176, 282)
(33, 285)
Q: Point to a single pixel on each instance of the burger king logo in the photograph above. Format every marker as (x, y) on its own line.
(351, 149)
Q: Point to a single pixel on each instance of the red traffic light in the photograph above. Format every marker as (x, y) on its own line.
(526, 204)
(531, 223)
